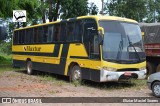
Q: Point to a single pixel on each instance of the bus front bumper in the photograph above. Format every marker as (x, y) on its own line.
(120, 76)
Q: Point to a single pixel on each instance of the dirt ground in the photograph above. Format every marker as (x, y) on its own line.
(19, 84)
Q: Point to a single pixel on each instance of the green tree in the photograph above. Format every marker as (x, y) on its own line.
(157, 10)
(73, 8)
(150, 7)
(93, 9)
(134, 9)
(54, 7)
(7, 7)
(31, 6)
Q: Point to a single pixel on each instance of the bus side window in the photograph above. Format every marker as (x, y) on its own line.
(57, 33)
(23, 36)
(20, 37)
(36, 35)
(27, 36)
(31, 39)
(78, 31)
(15, 37)
(50, 33)
(45, 34)
(89, 24)
(70, 31)
(52, 36)
(40, 34)
(63, 32)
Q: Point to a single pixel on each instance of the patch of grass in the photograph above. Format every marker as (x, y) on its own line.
(139, 84)
(5, 59)
(46, 77)
(5, 63)
(52, 92)
(77, 83)
(132, 84)
(49, 77)
(60, 83)
(6, 68)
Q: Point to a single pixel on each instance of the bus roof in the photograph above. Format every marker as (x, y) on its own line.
(97, 17)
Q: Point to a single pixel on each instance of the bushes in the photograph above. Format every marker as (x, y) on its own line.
(5, 60)
(6, 48)
(2, 59)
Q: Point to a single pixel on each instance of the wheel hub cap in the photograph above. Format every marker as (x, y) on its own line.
(77, 74)
(157, 89)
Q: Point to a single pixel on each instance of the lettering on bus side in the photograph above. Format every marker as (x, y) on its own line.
(29, 48)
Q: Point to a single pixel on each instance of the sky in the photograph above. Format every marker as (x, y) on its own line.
(97, 2)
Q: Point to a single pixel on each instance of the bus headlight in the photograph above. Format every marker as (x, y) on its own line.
(142, 68)
(109, 69)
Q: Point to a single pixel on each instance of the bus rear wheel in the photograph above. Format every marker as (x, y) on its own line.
(76, 74)
(29, 68)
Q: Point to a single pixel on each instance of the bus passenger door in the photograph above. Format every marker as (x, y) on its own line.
(94, 47)
(90, 29)
(91, 43)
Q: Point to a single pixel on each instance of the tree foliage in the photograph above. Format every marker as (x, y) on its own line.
(7, 7)
(73, 8)
(39, 10)
(134, 9)
(31, 6)
(140, 10)
(93, 9)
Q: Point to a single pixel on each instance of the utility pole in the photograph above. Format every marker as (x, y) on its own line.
(102, 7)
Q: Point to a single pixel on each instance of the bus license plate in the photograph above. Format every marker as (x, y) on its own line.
(127, 74)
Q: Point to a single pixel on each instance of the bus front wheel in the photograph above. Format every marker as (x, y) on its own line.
(76, 74)
(29, 68)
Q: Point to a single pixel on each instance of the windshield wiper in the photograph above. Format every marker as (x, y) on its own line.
(130, 43)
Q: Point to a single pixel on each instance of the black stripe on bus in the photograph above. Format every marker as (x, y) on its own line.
(63, 58)
(79, 57)
(55, 68)
(54, 54)
(56, 50)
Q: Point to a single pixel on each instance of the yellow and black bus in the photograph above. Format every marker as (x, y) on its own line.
(97, 48)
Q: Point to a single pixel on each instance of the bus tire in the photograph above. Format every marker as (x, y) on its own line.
(29, 68)
(150, 68)
(76, 74)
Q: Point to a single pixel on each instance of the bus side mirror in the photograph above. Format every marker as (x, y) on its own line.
(101, 34)
(100, 31)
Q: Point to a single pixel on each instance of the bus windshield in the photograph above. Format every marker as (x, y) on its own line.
(122, 42)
